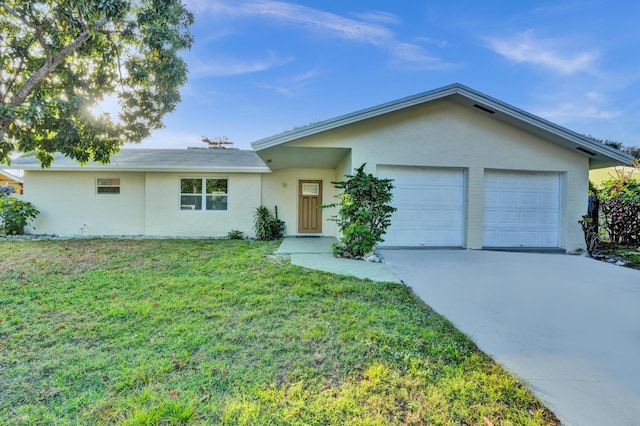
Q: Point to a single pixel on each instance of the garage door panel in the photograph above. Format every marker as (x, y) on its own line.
(550, 219)
(407, 195)
(529, 199)
(521, 209)
(547, 238)
(549, 199)
(507, 198)
(430, 203)
(506, 217)
(529, 218)
(407, 215)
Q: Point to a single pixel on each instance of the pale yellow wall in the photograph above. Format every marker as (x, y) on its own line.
(598, 176)
(445, 134)
(70, 206)
(344, 168)
(280, 188)
(164, 217)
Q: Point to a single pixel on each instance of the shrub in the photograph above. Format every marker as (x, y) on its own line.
(267, 226)
(365, 212)
(620, 209)
(15, 215)
(235, 234)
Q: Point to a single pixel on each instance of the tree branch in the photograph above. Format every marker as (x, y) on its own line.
(12, 79)
(48, 68)
(37, 28)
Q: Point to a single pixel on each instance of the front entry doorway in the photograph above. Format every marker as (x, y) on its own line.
(309, 202)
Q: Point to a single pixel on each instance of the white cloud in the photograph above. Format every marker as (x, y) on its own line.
(330, 25)
(569, 105)
(526, 48)
(291, 86)
(313, 19)
(432, 41)
(379, 17)
(280, 89)
(571, 111)
(234, 66)
(305, 76)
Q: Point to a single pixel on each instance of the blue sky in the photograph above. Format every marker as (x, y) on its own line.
(258, 67)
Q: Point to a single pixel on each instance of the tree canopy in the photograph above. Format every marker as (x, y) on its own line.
(631, 150)
(61, 58)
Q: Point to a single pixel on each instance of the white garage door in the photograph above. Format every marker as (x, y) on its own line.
(521, 209)
(430, 203)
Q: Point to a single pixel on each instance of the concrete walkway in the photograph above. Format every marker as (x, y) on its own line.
(315, 253)
(568, 326)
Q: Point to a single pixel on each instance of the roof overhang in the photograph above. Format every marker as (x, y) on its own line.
(286, 157)
(599, 154)
(109, 168)
(10, 176)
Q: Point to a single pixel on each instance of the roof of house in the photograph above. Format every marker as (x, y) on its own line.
(156, 160)
(10, 176)
(600, 155)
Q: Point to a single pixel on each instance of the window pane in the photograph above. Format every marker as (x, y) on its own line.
(216, 186)
(310, 189)
(191, 186)
(190, 202)
(108, 190)
(216, 202)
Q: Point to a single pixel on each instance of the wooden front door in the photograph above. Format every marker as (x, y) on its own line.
(309, 202)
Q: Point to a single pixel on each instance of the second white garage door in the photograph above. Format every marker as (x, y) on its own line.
(521, 209)
(430, 203)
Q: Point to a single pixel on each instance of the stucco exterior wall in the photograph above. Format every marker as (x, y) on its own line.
(280, 188)
(70, 206)
(344, 168)
(164, 217)
(445, 134)
(148, 204)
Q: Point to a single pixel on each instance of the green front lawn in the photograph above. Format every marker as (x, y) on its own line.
(220, 332)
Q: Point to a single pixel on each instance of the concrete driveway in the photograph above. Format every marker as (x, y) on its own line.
(568, 326)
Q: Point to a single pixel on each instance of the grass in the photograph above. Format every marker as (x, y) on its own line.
(220, 332)
(630, 255)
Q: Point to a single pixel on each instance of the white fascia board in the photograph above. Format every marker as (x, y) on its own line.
(154, 170)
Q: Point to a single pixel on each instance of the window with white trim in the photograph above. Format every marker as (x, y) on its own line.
(108, 185)
(203, 194)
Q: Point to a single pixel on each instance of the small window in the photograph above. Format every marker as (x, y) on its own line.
(203, 194)
(310, 189)
(108, 185)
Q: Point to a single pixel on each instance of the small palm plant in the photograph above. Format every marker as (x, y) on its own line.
(267, 226)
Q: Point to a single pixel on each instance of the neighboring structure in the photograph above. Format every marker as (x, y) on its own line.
(9, 179)
(470, 171)
(599, 176)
